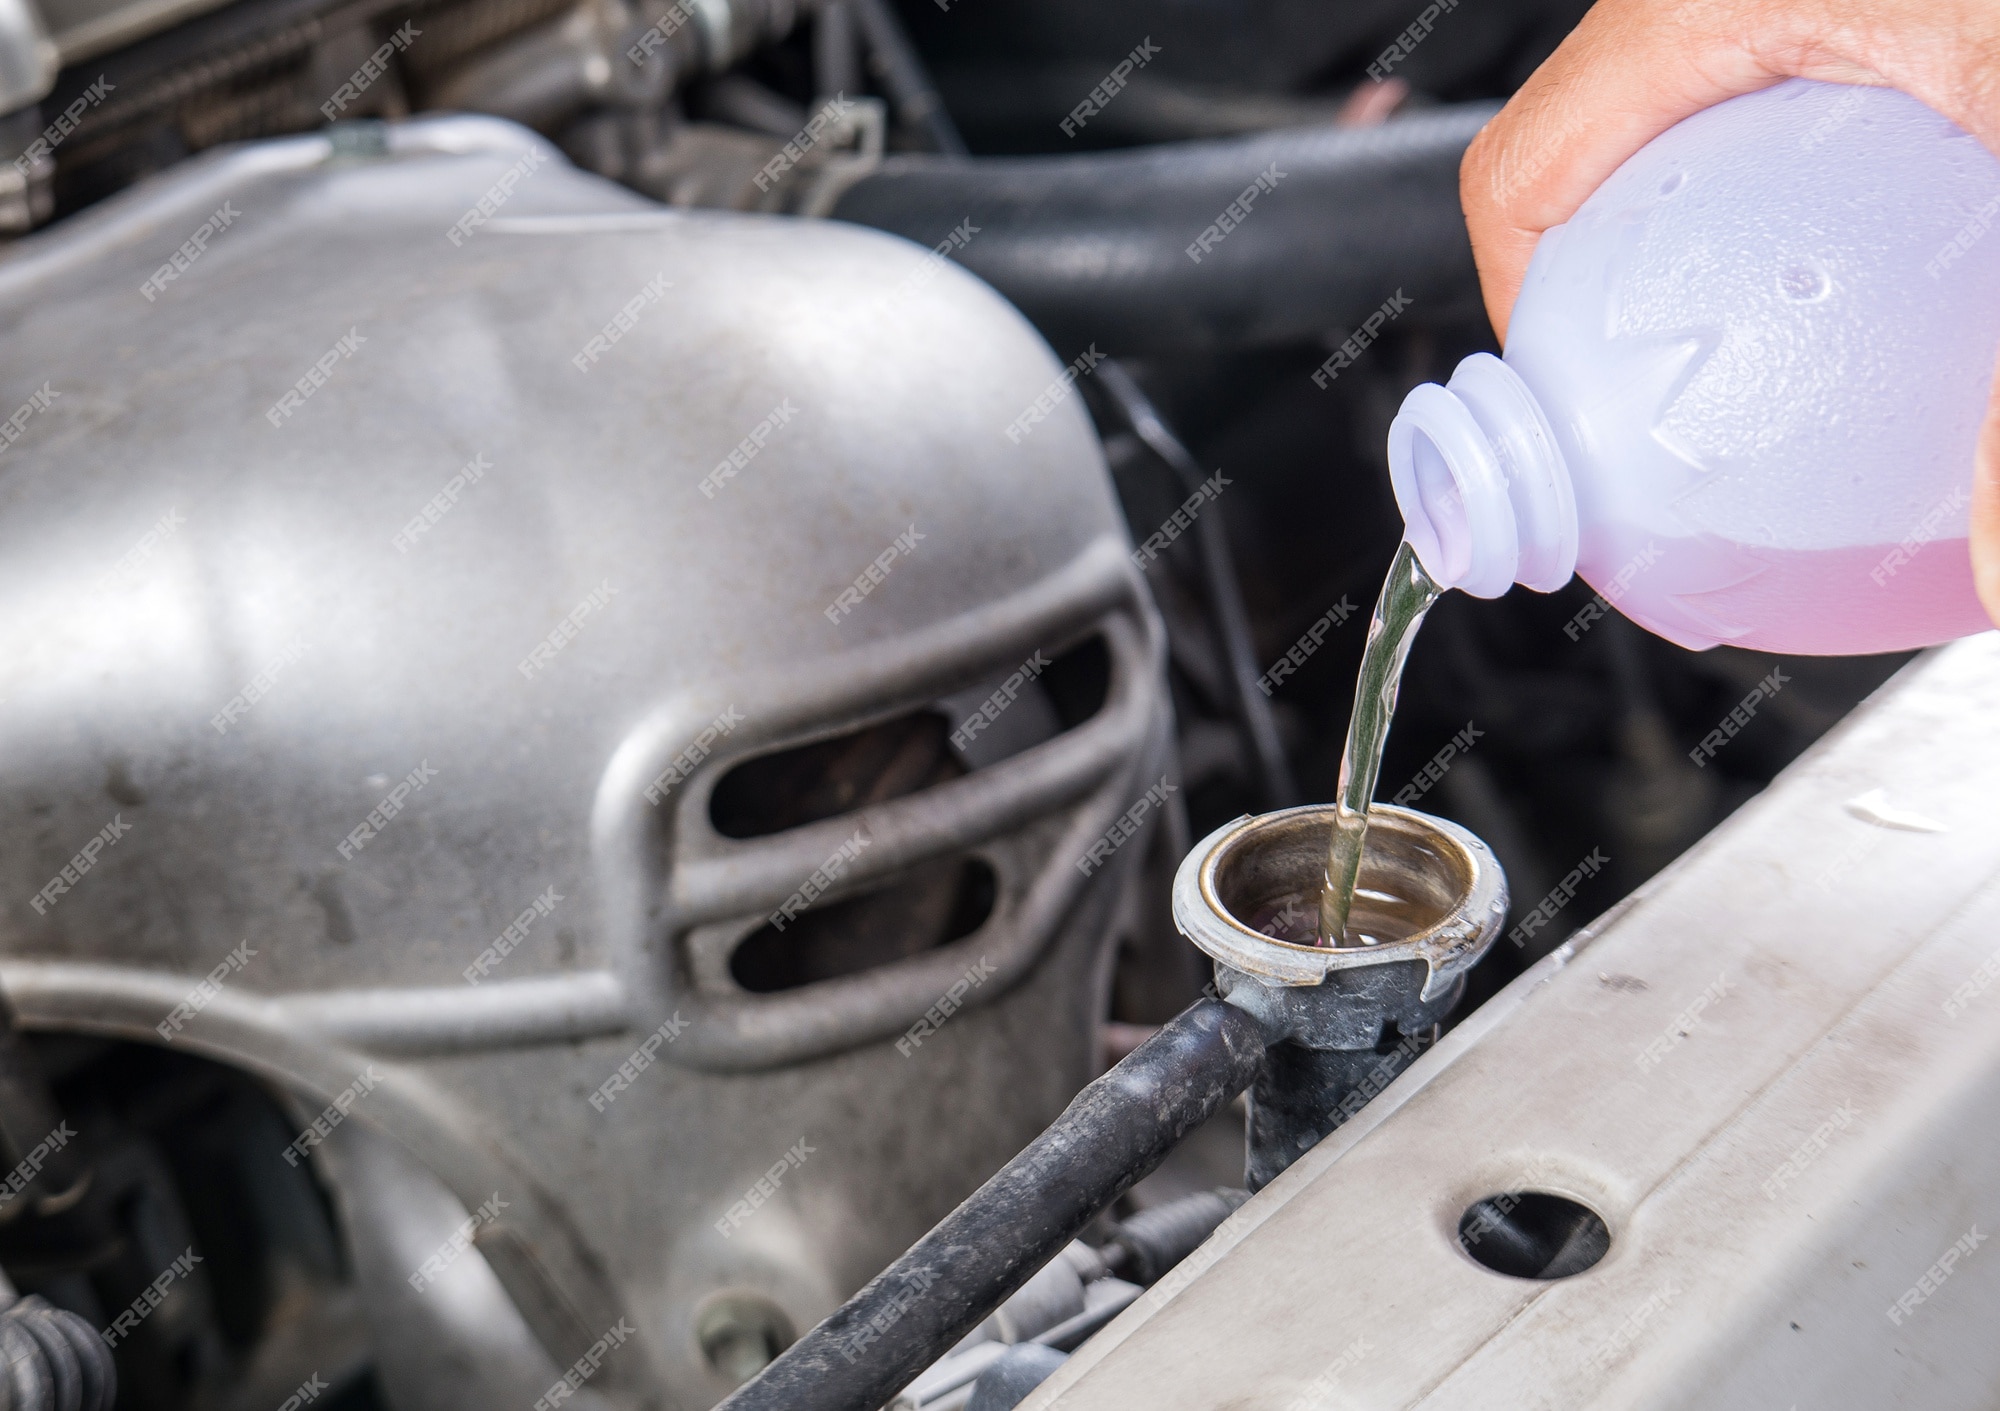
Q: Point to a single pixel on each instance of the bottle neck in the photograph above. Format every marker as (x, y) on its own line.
(1484, 491)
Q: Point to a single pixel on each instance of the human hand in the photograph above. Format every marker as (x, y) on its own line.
(1634, 68)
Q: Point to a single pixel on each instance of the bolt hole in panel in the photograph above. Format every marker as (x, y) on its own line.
(1533, 1235)
(740, 1333)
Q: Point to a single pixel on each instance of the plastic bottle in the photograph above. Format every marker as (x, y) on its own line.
(1742, 386)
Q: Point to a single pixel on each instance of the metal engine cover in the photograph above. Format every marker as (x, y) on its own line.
(298, 709)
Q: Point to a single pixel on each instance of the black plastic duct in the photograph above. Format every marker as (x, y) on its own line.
(1094, 247)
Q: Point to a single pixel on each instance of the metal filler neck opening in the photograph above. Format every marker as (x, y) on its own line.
(1429, 890)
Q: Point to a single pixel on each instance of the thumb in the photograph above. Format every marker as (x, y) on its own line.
(1986, 508)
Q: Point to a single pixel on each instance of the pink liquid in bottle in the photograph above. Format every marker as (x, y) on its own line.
(1742, 386)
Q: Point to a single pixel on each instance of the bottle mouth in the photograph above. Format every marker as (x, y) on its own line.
(1484, 493)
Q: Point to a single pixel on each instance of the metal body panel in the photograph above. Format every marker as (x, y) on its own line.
(273, 539)
(1772, 1071)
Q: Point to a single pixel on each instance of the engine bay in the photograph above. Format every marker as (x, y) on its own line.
(647, 601)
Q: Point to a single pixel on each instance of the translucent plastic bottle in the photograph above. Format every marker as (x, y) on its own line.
(1742, 387)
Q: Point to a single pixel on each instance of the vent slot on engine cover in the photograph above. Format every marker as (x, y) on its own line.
(922, 907)
(895, 758)
(926, 907)
(827, 778)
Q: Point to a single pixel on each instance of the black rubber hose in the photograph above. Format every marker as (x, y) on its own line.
(836, 55)
(1225, 595)
(1156, 1239)
(904, 78)
(1116, 1131)
(1094, 247)
(52, 1360)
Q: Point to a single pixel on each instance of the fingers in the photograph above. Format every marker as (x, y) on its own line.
(1634, 68)
(1628, 72)
(1986, 509)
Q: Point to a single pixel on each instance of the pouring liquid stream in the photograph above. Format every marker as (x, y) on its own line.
(1407, 594)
